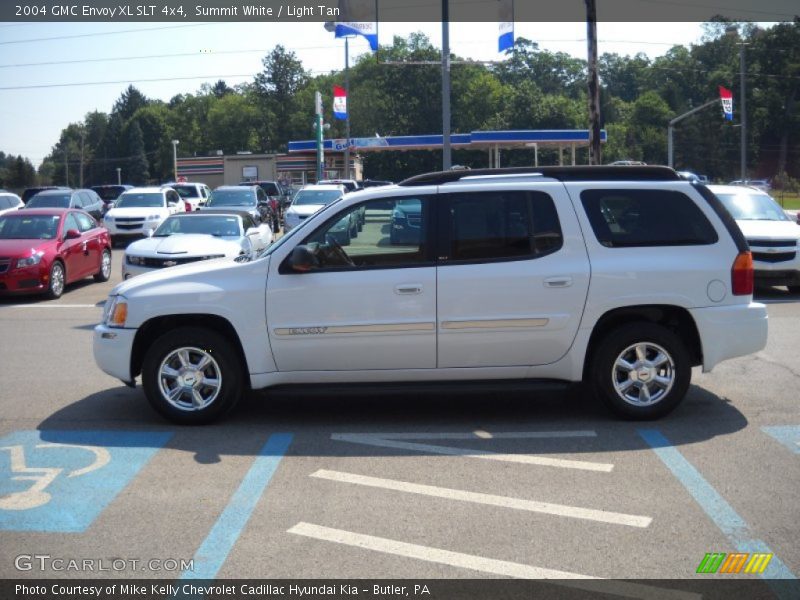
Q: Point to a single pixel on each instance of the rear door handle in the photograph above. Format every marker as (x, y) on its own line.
(406, 289)
(558, 282)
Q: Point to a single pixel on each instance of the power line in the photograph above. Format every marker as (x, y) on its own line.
(99, 33)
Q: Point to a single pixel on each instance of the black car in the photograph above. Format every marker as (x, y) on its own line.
(275, 195)
(86, 200)
(32, 191)
(109, 193)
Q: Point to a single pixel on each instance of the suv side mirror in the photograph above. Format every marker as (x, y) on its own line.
(72, 234)
(303, 260)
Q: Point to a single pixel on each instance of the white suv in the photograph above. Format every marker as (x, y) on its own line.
(623, 277)
(139, 211)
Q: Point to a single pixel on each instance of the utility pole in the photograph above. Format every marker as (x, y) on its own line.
(80, 175)
(119, 176)
(175, 159)
(744, 111)
(673, 122)
(446, 154)
(318, 126)
(594, 85)
(347, 114)
(66, 166)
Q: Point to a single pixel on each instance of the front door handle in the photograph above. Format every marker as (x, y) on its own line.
(407, 289)
(558, 282)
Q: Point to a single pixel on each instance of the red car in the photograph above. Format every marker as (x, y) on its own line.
(43, 249)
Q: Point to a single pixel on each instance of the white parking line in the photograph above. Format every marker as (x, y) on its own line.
(527, 459)
(49, 306)
(478, 434)
(561, 510)
(484, 565)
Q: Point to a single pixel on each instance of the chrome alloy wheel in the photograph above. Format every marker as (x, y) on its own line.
(105, 265)
(57, 279)
(189, 379)
(643, 374)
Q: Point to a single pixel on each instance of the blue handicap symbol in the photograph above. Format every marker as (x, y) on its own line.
(60, 481)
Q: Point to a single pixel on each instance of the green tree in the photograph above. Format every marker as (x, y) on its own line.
(138, 166)
(283, 75)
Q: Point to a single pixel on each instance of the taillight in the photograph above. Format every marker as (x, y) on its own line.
(742, 274)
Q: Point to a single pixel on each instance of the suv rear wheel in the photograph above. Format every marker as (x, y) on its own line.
(192, 376)
(641, 371)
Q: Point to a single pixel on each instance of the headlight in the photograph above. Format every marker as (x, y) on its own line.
(134, 260)
(153, 217)
(32, 260)
(115, 312)
(108, 218)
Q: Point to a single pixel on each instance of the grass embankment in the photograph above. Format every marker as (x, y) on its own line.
(787, 201)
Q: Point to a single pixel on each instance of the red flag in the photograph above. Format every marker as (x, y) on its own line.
(726, 97)
(339, 102)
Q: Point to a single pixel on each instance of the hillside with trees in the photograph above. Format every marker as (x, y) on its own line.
(531, 89)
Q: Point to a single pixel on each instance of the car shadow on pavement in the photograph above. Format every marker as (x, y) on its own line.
(313, 418)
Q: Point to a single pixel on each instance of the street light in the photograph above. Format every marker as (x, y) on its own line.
(119, 176)
(175, 158)
(734, 31)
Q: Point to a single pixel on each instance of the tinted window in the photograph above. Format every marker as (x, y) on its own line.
(186, 191)
(320, 197)
(109, 192)
(377, 233)
(629, 218)
(49, 201)
(270, 188)
(506, 224)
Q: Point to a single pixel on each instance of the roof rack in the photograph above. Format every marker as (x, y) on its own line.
(582, 173)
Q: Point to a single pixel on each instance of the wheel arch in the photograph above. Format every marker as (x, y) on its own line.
(154, 328)
(675, 318)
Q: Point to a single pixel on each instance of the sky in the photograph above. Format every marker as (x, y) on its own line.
(165, 59)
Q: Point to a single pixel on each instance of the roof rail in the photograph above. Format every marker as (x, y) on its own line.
(582, 173)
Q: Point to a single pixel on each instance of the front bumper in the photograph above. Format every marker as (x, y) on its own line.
(730, 331)
(112, 348)
(30, 280)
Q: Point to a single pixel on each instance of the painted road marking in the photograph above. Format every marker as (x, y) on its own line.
(717, 508)
(788, 435)
(475, 435)
(214, 550)
(50, 306)
(381, 440)
(60, 481)
(561, 510)
(481, 564)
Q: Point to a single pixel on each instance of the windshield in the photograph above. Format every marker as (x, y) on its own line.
(231, 198)
(141, 200)
(753, 207)
(49, 201)
(323, 197)
(29, 227)
(186, 191)
(219, 226)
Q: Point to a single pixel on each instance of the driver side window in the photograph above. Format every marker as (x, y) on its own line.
(386, 232)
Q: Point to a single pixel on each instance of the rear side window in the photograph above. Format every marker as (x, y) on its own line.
(503, 225)
(636, 218)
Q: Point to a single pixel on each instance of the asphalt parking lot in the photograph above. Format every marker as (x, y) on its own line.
(387, 485)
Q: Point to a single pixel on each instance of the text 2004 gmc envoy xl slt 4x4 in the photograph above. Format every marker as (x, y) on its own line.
(622, 277)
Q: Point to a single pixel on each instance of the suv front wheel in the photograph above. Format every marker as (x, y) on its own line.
(192, 376)
(641, 371)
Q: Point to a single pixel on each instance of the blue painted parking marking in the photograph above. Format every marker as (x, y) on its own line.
(788, 435)
(719, 511)
(214, 550)
(60, 481)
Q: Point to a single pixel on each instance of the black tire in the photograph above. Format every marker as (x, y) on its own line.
(655, 340)
(104, 274)
(57, 281)
(225, 367)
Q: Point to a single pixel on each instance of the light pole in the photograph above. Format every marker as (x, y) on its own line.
(733, 30)
(175, 158)
(119, 176)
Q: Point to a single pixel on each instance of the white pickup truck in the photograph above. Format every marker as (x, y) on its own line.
(622, 277)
